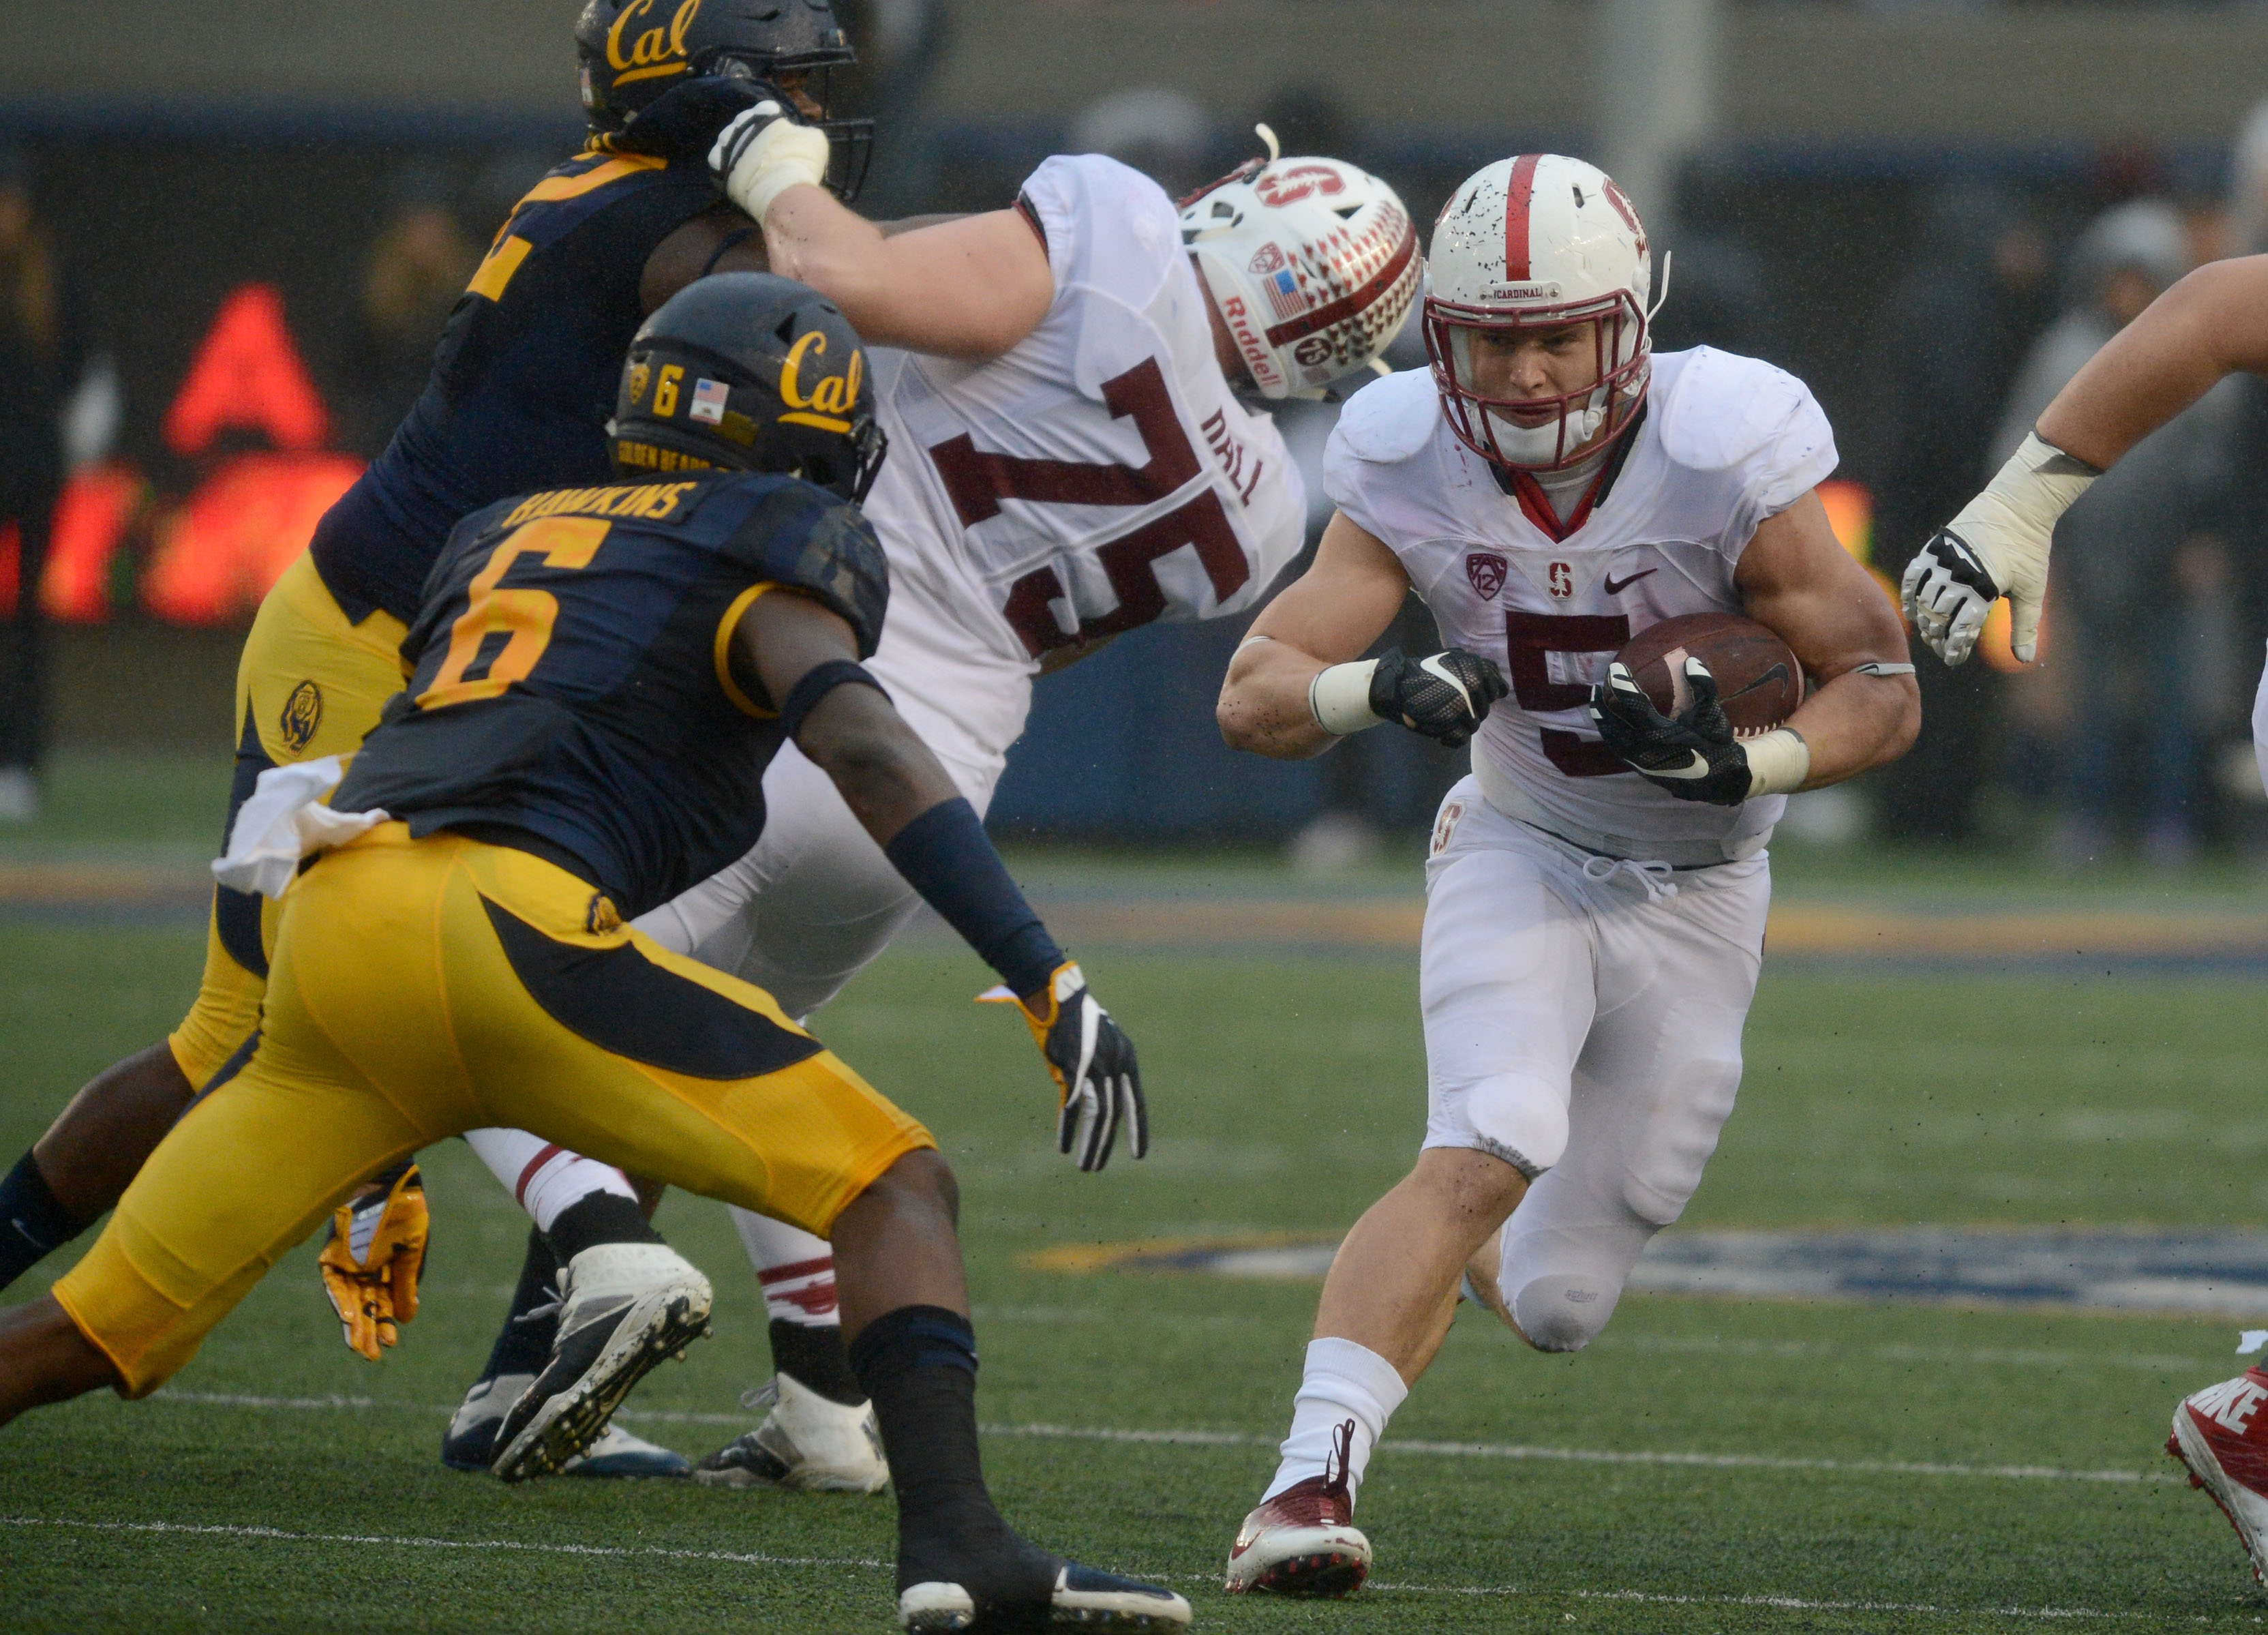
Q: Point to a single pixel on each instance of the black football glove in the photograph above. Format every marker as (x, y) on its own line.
(1444, 697)
(684, 122)
(1092, 1061)
(1692, 754)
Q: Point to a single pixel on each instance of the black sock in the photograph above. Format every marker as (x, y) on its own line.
(600, 1217)
(918, 1363)
(33, 1226)
(814, 1357)
(524, 1345)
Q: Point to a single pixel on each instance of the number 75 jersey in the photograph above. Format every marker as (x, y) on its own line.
(1098, 477)
(1725, 443)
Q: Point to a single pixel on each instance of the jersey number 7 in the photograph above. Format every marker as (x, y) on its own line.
(978, 480)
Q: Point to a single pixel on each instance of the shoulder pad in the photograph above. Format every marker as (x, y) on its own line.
(803, 536)
(1722, 409)
(1390, 420)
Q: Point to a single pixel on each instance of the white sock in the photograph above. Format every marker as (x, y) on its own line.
(544, 1177)
(1343, 1381)
(796, 1269)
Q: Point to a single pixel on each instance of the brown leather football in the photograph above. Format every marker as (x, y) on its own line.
(1757, 677)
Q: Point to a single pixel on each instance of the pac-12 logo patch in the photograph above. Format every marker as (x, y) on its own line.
(303, 713)
(1486, 570)
(1561, 579)
(1268, 259)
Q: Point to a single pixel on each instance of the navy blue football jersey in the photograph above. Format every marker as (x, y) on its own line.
(525, 376)
(572, 676)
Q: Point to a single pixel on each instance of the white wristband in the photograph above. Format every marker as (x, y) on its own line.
(1340, 697)
(1778, 762)
(783, 156)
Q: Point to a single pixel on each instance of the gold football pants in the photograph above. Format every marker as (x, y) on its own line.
(420, 989)
(309, 683)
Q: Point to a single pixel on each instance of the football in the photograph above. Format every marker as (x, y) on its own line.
(1757, 676)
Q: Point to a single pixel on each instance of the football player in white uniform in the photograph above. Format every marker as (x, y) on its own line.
(1593, 934)
(1069, 460)
(2211, 324)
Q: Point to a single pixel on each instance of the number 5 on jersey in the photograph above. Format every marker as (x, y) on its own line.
(478, 664)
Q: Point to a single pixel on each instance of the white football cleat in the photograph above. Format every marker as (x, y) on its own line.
(1303, 1542)
(2221, 1435)
(624, 1307)
(805, 1443)
(1101, 1603)
(470, 1441)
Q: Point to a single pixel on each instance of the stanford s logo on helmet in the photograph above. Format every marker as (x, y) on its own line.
(747, 372)
(1536, 243)
(1313, 263)
(631, 51)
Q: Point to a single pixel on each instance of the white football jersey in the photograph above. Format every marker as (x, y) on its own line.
(1098, 477)
(1725, 443)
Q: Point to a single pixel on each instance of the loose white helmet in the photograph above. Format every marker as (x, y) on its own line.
(1538, 242)
(1313, 264)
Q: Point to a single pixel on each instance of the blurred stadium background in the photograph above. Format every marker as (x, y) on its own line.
(2013, 982)
(256, 215)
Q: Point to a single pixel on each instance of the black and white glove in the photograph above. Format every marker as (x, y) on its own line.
(684, 122)
(1444, 696)
(1692, 754)
(1092, 1061)
(1996, 547)
(764, 150)
(1948, 592)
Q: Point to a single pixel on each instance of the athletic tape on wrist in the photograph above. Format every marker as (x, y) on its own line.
(1778, 762)
(1339, 697)
(783, 156)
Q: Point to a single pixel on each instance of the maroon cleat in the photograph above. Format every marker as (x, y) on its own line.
(1303, 1542)
(2220, 1433)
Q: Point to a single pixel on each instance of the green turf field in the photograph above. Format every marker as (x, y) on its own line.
(1852, 1458)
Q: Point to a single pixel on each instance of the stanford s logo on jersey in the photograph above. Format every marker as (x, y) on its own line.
(1562, 581)
(1486, 570)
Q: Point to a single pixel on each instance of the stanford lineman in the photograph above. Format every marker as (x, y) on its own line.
(1069, 460)
(1592, 935)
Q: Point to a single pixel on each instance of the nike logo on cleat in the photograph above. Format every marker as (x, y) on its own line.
(1616, 587)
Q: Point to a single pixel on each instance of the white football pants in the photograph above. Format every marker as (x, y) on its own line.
(1583, 1023)
(800, 916)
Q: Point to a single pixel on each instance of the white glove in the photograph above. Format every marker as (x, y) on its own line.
(1996, 546)
(763, 152)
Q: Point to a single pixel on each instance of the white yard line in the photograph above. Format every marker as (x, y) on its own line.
(654, 1552)
(1514, 1451)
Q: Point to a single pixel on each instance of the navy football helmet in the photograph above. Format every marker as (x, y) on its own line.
(750, 372)
(633, 51)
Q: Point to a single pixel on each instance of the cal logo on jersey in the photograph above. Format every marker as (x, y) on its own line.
(303, 713)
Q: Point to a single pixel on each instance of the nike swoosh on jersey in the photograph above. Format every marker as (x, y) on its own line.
(1698, 768)
(1616, 587)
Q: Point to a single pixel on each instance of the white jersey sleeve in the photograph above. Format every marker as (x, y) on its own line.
(1098, 477)
(1757, 425)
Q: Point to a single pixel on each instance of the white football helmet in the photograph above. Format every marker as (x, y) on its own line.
(1313, 264)
(1539, 242)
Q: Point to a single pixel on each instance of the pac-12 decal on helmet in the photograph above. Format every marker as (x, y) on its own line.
(633, 51)
(1313, 262)
(748, 372)
(1538, 242)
